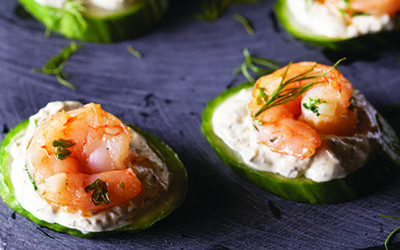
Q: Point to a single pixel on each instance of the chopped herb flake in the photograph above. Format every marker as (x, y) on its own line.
(61, 146)
(100, 192)
(312, 104)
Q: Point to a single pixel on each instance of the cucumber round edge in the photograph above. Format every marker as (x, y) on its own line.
(378, 171)
(381, 40)
(123, 25)
(167, 203)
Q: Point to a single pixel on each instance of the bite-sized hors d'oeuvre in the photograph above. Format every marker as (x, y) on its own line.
(303, 133)
(102, 21)
(350, 25)
(80, 170)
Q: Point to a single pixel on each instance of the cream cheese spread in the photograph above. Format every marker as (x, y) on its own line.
(335, 158)
(104, 4)
(323, 21)
(149, 168)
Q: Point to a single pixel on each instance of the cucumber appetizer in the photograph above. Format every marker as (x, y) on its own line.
(348, 25)
(80, 170)
(303, 133)
(101, 21)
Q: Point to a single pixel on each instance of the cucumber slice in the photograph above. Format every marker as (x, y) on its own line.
(160, 209)
(102, 26)
(380, 40)
(378, 171)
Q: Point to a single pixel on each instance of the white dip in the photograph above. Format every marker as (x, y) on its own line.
(104, 4)
(337, 156)
(151, 171)
(323, 21)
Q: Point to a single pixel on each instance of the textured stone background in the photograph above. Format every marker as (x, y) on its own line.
(186, 63)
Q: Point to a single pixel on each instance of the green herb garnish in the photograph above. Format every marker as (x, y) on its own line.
(312, 104)
(393, 232)
(349, 10)
(134, 52)
(61, 146)
(31, 178)
(262, 96)
(76, 8)
(56, 64)
(246, 24)
(212, 10)
(100, 192)
(352, 104)
(259, 66)
(121, 185)
(283, 95)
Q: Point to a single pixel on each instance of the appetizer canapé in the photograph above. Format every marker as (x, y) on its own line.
(80, 170)
(303, 133)
(350, 25)
(101, 21)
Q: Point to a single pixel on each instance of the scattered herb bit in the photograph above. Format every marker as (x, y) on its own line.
(121, 185)
(283, 95)
(56, 64)
(245, 22)
(36, 122)
(393, 232)
(100, 192)
(61, 146)
(134, 52)
(348, 10)
(31, 178)
(76, 8)
(259, 66)
(312, 104)
(352, 103)
(212, 10)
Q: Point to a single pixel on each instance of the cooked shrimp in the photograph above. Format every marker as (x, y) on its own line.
(372, 7)
(293, 129)
(71, 150)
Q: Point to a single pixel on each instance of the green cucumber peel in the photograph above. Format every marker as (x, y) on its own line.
(110, 26)
(378, 171)
(381, 40)
(166, 203)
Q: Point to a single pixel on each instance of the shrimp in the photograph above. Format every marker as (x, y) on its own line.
(82, 153)
(372, 7)
(293, 129)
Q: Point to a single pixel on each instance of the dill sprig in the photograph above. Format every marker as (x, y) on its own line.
(283, 95)
(259, 66)
(393, 232)
(134, 52)
(245, 22)
(56, 64)
(212, 10)
(76, 8)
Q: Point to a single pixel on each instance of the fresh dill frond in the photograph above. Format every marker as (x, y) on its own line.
(259, 66)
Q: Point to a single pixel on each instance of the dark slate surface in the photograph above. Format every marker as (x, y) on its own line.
(186, 63)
